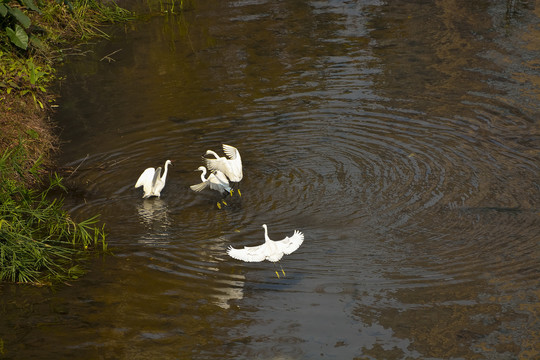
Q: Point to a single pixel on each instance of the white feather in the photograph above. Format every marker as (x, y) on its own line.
(271, 250)
(231, 166)
(216, 181)
(151, 181)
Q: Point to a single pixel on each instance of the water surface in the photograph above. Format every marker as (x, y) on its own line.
(401, 137)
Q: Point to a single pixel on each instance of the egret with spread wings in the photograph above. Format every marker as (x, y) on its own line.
(216, 181)
(231, 165)
(271, 250)
(151, 181)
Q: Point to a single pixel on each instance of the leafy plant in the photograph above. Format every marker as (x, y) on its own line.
(25, 77)
(16, 20)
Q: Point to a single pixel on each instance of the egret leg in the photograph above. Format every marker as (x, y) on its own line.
(277, 273)
(239, 193)
(231, 192)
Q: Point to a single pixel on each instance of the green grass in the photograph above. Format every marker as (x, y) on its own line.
(23, 77)
(39, 242)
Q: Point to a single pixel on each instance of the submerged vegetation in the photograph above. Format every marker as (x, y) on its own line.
(39, 242)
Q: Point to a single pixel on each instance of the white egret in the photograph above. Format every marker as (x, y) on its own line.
(151, 181)
(231, 166)
(216, 181)
(271, 250)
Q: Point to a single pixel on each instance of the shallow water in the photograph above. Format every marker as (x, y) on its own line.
(402, 138)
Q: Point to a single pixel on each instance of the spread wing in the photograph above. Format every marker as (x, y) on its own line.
(291, 244)
(231, 152)
(234, 172)
(220, 164)
(248, 253)
(199, 187)
(146, 179)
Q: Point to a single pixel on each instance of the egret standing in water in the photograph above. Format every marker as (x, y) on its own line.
(151, 181)
(216, 181)
(231, 165)
(271, 250)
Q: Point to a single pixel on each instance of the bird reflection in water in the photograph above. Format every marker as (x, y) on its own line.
(230, 290)
(154, 215)
(226, 286)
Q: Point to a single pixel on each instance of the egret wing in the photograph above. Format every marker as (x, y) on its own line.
(220, 164)
(235, 163)
(230, 151)
(218, 181)
(217, 187)
(157, 174)
(291, 244)
(145, 180)
(232, 167)
(248, 253)
(199, 187)
(221, 178)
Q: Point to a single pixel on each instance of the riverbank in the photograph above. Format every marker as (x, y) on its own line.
(39, 242)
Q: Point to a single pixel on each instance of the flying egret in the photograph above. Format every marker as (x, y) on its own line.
(271, 250)
(151, 182)
(231, 165)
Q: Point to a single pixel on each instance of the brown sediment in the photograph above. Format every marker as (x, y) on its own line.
(24, 122)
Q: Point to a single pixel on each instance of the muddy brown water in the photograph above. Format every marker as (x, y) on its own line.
(401, 137)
